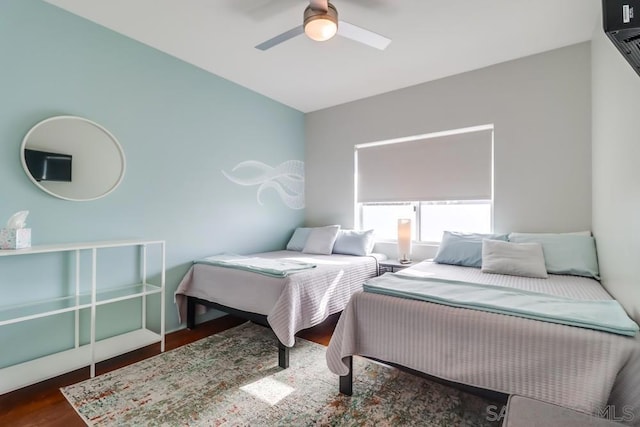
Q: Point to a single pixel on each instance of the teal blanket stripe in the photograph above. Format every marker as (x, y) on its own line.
(265, 266)
(602, 315)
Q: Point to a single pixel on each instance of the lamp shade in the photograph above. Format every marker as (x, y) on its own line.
(404, 239)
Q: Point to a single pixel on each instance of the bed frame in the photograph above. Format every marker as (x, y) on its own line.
(346, 382)
(261, 319)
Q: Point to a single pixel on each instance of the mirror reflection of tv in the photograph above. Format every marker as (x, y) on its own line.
(45, 166)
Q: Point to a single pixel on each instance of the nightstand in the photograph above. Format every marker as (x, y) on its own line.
(391, 266)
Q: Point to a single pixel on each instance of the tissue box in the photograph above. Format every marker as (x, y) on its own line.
(15, 238)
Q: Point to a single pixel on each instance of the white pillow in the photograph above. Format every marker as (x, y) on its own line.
(298, 239)
(321, 240)
(353, 242)
(515, 259)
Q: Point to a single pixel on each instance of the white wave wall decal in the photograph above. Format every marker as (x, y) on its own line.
(287, 179)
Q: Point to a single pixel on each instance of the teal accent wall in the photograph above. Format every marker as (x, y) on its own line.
(179, 127)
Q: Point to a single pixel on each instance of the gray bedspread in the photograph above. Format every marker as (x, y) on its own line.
(291, 303)
(582, 369)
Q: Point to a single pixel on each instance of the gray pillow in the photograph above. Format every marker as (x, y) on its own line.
(515, 259)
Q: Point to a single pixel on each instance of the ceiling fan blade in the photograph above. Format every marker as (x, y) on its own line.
(296, 31)
(261, 10)
(361, 35)
(374, 4)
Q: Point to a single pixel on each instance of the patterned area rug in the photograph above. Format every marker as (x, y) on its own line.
(233, 378)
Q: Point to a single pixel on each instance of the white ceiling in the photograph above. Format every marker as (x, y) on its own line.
(430, 40)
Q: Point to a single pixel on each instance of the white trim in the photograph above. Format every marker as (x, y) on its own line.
(426, 136)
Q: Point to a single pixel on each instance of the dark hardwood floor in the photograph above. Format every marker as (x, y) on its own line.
(42, 404)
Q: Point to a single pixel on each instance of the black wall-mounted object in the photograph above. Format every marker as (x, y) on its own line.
(45, 166)
(622, 26)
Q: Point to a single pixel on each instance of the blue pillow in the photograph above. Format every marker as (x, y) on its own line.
(352, 242)
(463, 248)
(298, 239)
(565, 253)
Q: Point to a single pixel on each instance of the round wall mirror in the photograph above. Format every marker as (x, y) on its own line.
(72, 158)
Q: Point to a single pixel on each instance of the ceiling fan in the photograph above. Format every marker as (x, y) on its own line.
(320, 23)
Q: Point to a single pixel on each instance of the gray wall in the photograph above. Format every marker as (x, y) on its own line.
(179, 126)
(616, 172)
(540, 106)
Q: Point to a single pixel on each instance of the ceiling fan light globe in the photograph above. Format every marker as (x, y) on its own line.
(320, 25)
(320, 29)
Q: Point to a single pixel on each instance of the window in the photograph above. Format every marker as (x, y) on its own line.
(442, 181)
(429, 219)
(473, 216)
(383, 217)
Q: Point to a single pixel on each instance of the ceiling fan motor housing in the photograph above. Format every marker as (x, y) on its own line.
(310, 15)
(331, 13)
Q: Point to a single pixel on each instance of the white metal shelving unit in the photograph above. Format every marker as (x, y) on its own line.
(30, 372)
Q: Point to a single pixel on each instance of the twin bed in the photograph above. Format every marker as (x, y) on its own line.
(286, 304)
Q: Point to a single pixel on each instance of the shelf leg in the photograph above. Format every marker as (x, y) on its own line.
(143, 267)
(77, 311)
(94, 258)
(162, 297)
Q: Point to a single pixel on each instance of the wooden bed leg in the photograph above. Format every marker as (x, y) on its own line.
(283, 355)
(346, 381)
(191, 313)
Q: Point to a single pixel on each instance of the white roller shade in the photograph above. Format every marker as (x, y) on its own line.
(453, 167)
